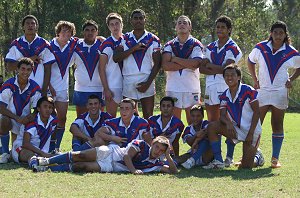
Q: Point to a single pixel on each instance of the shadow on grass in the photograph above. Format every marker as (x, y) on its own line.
(236, 174)
(12, 166)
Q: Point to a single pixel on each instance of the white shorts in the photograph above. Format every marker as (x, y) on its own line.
(117, 95)
(184, 99)
(16, 148)
(104, 158)
(242, 135)
(16, 127)
(62, 96)
(213, 92)
(276, 98)
(130, 84)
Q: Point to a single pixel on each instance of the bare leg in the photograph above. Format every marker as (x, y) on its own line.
(80, 110)
(111, 107)
(147, 106)
(177, 112)
(62, 109)
(25, 155)
(249, 152)
(188, 115)
(86, 167)
(213, 112)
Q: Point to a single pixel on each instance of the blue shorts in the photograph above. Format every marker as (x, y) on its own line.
(81, 98)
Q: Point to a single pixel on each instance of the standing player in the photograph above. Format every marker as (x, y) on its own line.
(17, 96)
(109, 71)
(35, 138)
(274, 58)
(87, 81)
(140, 52)
(166, 124)
(63, 47)
(34, 47)
(181, 60)
(239, 119)
(86, 125)
(219, 54)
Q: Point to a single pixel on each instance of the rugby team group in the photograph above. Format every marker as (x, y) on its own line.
(118, 71)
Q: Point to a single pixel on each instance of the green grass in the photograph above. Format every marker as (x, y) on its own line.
(18, 181)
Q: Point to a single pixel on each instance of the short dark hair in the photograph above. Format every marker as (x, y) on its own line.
(45, 98)
(138, 11)
(29, 17)
(167, 98)
(226, 20)
(197, 107)
(90, 23)
(128, 100)
(112, 16)
(94, 96)
(282, 25)
(26, 61)
(235, 67)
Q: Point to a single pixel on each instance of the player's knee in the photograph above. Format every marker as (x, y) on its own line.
(79, 167)
(5, 125)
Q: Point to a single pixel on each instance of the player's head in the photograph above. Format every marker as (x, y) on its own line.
(232, 74)
(138, 19)
(279, 33)
(127, 108)
(159, 146)
(65, 29)
(25, 66)
(223, 26)
(90, 30)
(93, 104)
(197, 114)
(45, 106)
(30, 24)
(166, 106)
(183, 25)
(114, 23)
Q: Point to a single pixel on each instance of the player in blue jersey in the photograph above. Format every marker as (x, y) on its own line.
(274, 57)
(166, 124)
(86, 74)
(34, 47)
(63, 47)
(17, 96)
(239, 119)
(34, 138)
(138, 158)
(140, 52)
(109, 71)
(86, 125)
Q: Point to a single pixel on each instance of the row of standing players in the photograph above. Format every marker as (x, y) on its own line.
(137, 53)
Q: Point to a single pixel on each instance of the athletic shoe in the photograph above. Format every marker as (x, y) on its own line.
(189, 163)
(33, 162)
(261, 159)
(40, 169)
(4, 158)
(43, 161)
(215, 164)
(228, 162)
(275, 163)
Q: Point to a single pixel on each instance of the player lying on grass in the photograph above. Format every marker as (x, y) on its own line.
(138, 158)
(34, 138)
(195, 135)
(239, 119)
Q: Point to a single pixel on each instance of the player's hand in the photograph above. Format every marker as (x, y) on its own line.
(195, 144)
(138, 172)
(30, 117)
(23, 120)
(108, 94)
(169, 150)
(139, 46)
(231, 130)
(142, 86)
(35, 59)
(288, 84)
(256, 85)
(119, 140)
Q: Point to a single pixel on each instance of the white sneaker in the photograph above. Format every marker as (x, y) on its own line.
(4, 158)
(228, 162)
(189, 163)
(260, 158)
(40, 169)
(33, 162)
(215, 164)
(43, 161)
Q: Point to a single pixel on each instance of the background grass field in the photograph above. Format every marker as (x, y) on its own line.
(18, 181)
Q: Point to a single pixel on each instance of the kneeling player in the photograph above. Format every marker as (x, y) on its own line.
(239, 119)
(35, 138)
(138, 158)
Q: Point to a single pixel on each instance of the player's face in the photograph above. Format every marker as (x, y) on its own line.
(166, 108)
(126, 111)
(90, 33)
(278, 35)
(222, 30)
(93, 106)
(157, 149)
(183, 26)
(30, 27)
(115, 26)
(196, 117)
(138, 21)
(45, 109)
(24, 72)
(65, 34)
(231, 78)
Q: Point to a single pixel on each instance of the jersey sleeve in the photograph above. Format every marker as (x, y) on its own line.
(187, 133)
(167, 48)
(34, 99)
(253, 56)
(5, 96)
(31, 129)
(234, 53)
(197, 53)
(47, 57)
(13, 55)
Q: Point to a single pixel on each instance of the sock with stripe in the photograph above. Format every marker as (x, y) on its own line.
(59, 135)
(202, 147)
(230, 148)
(61, 168)
(76, 144)
(277, 139)
(61, 159)
(5, 143)
(85, 146)
(216, 148)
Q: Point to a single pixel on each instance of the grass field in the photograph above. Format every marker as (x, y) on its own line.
(18, 181)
